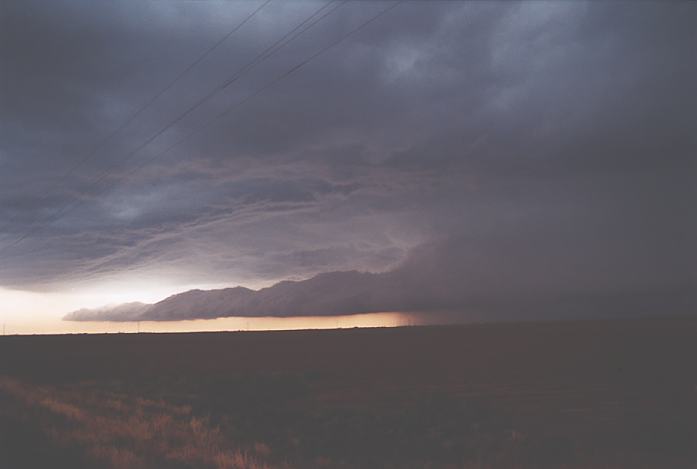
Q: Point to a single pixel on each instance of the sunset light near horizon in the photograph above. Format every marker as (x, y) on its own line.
(335, 157)
(348, 234)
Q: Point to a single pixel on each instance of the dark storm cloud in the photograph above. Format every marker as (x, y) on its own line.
(551, 145)
(504, 280)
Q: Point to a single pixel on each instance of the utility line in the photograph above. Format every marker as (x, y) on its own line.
(306, 24)
(143, 107)
(230, 108)
(169, 86)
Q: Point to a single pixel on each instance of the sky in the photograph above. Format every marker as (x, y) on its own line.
(522, 154)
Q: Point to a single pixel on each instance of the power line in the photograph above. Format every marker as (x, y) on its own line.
(233, 106)
(143, 107)
(169, 86)
(289, 37)
(280, 77)
(299, 29)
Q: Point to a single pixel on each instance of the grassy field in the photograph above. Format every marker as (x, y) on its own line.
(591, 394)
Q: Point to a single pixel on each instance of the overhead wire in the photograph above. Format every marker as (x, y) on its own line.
(289, 37)
(36, 228)
(94, 152)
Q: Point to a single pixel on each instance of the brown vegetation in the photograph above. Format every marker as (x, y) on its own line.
(594, 394)
(119, 431)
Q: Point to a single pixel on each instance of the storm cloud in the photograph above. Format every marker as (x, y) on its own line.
(487, 155)
(504, 282)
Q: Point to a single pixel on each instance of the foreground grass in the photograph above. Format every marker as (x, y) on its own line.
(598, 394)
(119, 431)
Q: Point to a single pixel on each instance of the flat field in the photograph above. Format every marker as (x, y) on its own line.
(582, 394)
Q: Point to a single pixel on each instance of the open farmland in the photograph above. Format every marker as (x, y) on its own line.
(586, 394)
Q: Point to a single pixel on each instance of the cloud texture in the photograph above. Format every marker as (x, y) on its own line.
(483, 154)
(438, 277)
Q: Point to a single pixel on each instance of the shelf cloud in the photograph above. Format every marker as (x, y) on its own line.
(489, 156)
(440, 277)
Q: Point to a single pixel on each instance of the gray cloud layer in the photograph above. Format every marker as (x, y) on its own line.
(552, 145)
(505, 282)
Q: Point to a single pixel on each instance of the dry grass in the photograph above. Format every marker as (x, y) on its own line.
(595, 394)
(119, 431)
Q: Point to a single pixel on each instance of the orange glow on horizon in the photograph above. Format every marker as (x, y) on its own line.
(383, 319)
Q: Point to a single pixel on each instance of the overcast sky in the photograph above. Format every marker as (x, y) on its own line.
(553, 142)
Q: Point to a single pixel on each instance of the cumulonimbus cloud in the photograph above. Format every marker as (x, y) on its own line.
(443, 276)
(556, 189)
